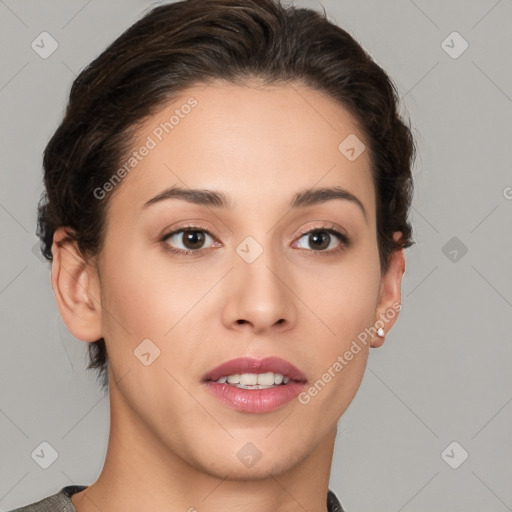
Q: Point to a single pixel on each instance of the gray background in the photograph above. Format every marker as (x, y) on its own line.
(443, 373)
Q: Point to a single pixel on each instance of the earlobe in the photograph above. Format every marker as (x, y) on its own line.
(76, 288)
(390, 296)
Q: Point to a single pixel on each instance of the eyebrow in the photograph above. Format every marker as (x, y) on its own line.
(211, 198)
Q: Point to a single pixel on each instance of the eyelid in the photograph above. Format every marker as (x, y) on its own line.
(187, 227)
(326, 226)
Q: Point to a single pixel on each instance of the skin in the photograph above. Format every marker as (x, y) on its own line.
(172, 445)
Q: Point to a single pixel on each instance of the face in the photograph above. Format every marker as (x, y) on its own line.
(266, 274)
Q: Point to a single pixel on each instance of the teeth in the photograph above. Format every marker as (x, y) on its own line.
(261, 380)
(250, 379)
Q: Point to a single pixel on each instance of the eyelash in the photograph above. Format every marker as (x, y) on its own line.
(331, 229)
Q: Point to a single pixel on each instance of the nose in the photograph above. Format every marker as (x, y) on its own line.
(259, 296)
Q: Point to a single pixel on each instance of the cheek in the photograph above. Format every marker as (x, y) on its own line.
(348, 311)
(148, 300)
(346, 306)
(145, 295)
(344, 296)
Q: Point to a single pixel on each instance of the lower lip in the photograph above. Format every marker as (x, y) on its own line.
(255, 400)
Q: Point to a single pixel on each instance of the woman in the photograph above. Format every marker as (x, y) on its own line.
(226, 215)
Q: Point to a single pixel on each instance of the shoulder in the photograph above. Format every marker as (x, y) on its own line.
(58, 502)
(333, 504)
(61, 502)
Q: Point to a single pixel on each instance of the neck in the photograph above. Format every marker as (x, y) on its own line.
(142, 473)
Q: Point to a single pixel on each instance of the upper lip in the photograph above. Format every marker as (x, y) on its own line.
(252, 365)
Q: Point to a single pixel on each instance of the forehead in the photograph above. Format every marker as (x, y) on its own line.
(257, 144)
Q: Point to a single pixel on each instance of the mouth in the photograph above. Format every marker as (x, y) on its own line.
(255, 386)
(250, 373)
(254, 380)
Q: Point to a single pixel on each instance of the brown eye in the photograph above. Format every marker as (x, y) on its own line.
(193, 239)
(323, 240)
(187, 239)
(319, 240)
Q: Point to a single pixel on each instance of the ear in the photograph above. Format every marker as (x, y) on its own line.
(75, 284)
(390, 294)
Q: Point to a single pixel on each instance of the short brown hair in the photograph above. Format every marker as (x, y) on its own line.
(188, 42)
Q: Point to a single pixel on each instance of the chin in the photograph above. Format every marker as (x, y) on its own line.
(234, 470)
(243, 460)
